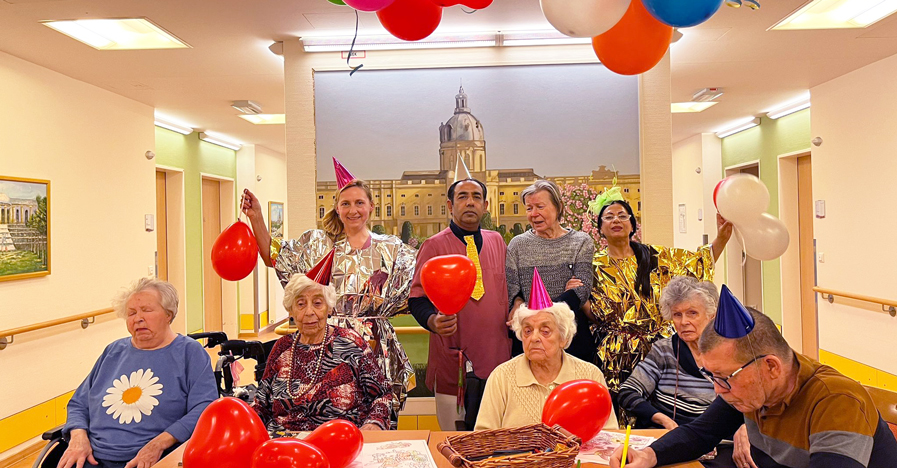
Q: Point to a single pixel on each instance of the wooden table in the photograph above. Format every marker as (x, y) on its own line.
(173, 460)
(442, 462)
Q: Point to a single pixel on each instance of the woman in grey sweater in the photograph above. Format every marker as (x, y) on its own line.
(563, 257)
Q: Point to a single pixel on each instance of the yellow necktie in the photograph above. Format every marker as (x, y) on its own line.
(478, 289)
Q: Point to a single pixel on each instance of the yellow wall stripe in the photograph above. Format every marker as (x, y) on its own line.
(33, 422)
(866, 375)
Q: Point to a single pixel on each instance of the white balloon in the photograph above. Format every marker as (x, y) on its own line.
(584, 18)
(742, 198)
(765, 238)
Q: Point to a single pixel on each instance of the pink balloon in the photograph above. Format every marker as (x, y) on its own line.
(369, 5)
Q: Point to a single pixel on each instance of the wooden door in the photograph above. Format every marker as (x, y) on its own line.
(807, 248)
(211, 227)
(161, 227)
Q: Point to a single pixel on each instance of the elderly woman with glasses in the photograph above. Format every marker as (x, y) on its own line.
(517, 390)
(629, 278)
(321, 372)
(667, 388)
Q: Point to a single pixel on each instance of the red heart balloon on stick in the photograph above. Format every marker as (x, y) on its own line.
(448, 281)
(635, 44)
(475, 4)
(339, 439)
(411, 20)
(579, 406)
(234, 252)
(226, 436)
(289, 453)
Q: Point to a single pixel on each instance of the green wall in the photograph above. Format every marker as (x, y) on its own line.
(195, 157)
(766, 143)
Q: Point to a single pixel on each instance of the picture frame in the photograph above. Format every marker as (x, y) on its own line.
(25, 220)
(275, 219)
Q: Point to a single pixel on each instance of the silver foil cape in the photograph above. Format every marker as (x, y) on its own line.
(372, 284)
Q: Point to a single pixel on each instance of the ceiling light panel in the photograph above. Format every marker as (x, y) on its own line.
(447, 41)
(691, 106)
(118, 34)
(837, 14)
(265, 119)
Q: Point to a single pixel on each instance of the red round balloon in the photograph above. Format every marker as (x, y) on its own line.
(579, 406)
(716, 189)
(411, 20)
(234, 252)
(289, 453)
(226, 436)
(475, 4)
(339, 439)
(448, 281)
(635, 44)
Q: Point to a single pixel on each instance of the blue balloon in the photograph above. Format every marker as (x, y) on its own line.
(732, 319)
(682, 13)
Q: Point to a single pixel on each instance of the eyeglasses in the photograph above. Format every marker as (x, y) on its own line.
(610, 218)
(724, 381)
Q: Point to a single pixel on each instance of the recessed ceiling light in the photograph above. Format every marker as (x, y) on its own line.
(540, 38)
(739, 127)
(265, 119)
(837, 14)
(118, 34)
(387, 42)
(691, 106)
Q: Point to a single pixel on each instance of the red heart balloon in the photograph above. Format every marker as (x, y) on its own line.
(234, 252)
(289, 453)
(448, 281)
(339, 439)
(226, 435)
(411, 20)
(579, 406)
(475, 4)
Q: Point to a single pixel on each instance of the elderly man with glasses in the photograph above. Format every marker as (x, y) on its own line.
(798, 412)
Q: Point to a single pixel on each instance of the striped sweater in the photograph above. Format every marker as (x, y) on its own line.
(661, 382)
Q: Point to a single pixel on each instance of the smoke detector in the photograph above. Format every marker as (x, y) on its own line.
(707, 94)
(247, 107)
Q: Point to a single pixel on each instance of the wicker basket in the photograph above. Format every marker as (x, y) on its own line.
(459, 450)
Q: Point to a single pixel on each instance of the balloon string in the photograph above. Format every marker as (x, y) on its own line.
(352, 48)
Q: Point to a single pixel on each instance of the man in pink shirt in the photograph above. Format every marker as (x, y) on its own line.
(480, 330)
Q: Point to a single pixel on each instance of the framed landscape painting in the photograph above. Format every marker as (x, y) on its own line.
(275, 219)
(24, 228)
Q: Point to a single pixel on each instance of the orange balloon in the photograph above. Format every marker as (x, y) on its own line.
(635, 44)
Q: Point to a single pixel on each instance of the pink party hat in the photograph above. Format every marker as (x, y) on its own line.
(343, 176)
(538, 295)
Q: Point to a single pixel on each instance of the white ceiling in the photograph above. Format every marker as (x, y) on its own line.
(230, 60)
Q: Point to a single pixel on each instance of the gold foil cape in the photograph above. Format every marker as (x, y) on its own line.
(627, 323)
(372, 285)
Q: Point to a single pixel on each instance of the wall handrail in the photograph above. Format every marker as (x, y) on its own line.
(87, 318)
(887, 305)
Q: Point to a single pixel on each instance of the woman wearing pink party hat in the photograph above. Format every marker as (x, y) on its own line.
(372, 272)
(517, 390)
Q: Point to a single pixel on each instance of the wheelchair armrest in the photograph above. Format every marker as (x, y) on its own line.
(52, 434)
(214, 338)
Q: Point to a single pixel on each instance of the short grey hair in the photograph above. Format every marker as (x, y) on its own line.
(684, 288)
(168, 296)
(299, 283)
(563, 316)
(554, 193)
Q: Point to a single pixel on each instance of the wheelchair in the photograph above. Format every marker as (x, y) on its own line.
(230, 352)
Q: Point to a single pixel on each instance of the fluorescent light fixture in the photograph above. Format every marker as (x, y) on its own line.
(118, 34)
(247, 107)
(837, 14)
(790, 107)
(739, 127)
(540, 38)
(182, 129)
(387, 42)
(707, 94)
(691, 106)
(265, 119)
(220, 141)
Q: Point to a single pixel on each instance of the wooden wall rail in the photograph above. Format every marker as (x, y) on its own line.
(6, 336)
(887, 305)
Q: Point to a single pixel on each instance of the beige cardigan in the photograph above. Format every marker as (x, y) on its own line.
(514, 397)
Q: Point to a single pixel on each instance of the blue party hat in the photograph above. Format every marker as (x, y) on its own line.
(732, 319)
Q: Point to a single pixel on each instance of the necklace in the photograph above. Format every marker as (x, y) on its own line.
(319, 358)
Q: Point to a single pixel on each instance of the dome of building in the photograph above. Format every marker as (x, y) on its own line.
(463, 126)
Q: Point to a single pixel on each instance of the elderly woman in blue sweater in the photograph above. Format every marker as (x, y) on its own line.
(145, 393)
